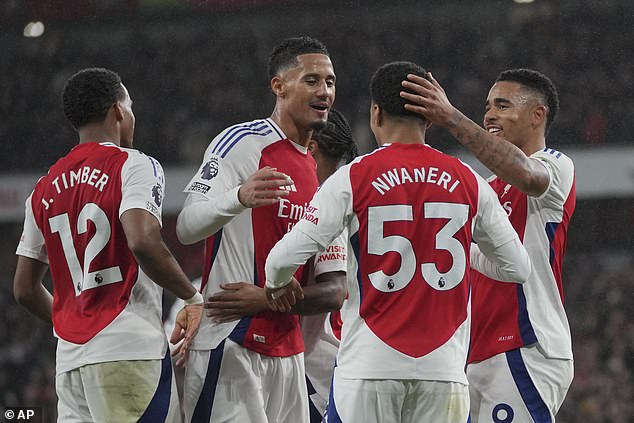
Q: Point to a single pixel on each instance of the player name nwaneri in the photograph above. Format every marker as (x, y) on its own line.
(388, 180)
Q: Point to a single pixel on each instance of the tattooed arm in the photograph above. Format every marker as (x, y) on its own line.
(503, 158)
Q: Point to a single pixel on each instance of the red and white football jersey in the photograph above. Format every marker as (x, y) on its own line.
(411, 213)
(104, 307)
(508, 316)
(237, 252)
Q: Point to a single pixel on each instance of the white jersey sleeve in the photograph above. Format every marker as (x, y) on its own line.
(32, 241)
(324, 220)
(212, 199)
(333, 258)
(142, 184)
(500, 251)
(561, 171)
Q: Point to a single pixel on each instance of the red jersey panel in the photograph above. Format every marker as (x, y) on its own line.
(269, 226)
(508, 316)
(413, 242)
(76, 207)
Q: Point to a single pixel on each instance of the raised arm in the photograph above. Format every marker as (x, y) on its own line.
(204, 214)
(503, 158)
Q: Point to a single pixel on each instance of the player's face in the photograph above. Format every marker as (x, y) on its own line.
(309, 90)
(508, 112)
(127, 124)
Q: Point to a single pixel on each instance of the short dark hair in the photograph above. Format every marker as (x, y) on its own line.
(89, 94)
(284, 55)
(538, 83)
(386, 86)
(335, 139)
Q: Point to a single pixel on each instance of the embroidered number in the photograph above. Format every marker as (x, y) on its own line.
(378, 244)
(82, 278)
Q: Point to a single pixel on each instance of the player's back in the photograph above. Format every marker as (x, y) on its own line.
(77, 206)
(413, 208)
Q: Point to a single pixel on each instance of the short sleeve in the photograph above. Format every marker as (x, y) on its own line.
(561, 171)
(142, 184)
(32, 241)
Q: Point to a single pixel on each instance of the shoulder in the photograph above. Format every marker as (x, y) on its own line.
(141, 165)
(555, 159)
(242, 137)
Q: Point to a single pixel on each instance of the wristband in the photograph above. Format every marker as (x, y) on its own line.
(197, 298)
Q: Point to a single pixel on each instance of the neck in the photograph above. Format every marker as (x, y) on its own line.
(403, 133)
(533, 145)
(97, 134)
(298, 135)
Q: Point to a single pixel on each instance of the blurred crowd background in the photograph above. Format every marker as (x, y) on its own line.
(194, 67)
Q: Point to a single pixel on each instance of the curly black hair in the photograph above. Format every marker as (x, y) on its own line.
(89, 94)
(284, 55)
(335, 139)
(538, 83)
(385, 87)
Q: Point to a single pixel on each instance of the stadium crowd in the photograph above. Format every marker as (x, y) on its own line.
(191, 75)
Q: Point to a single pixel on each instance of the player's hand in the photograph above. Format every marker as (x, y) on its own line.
(263, 188)
(427, 99)
(238, 299)
(282, 299)
(185, 329)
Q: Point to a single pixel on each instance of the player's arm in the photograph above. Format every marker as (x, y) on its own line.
(224, 186)
(235, 301)
(28, 289)
(143, 233)
(140, 216)
(503, 158)
(505, 263)
(31, 268)
(325, 219)
(240, 299)
(328, 294)
(500, 253)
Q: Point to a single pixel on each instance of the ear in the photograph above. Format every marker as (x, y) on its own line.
(117, 110)
(376, 114)
(277, 86)
(540, 115)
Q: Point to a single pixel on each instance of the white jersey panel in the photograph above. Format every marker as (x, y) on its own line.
(544, 303)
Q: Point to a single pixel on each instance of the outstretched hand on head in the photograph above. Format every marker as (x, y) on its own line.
(427, 99)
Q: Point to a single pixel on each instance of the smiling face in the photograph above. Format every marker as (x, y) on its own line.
(306, 92)
(514, 113)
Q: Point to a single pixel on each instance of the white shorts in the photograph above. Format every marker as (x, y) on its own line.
(119, 392)
(404, 401)
(319, 363)
(518, 386)
(232, 384)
